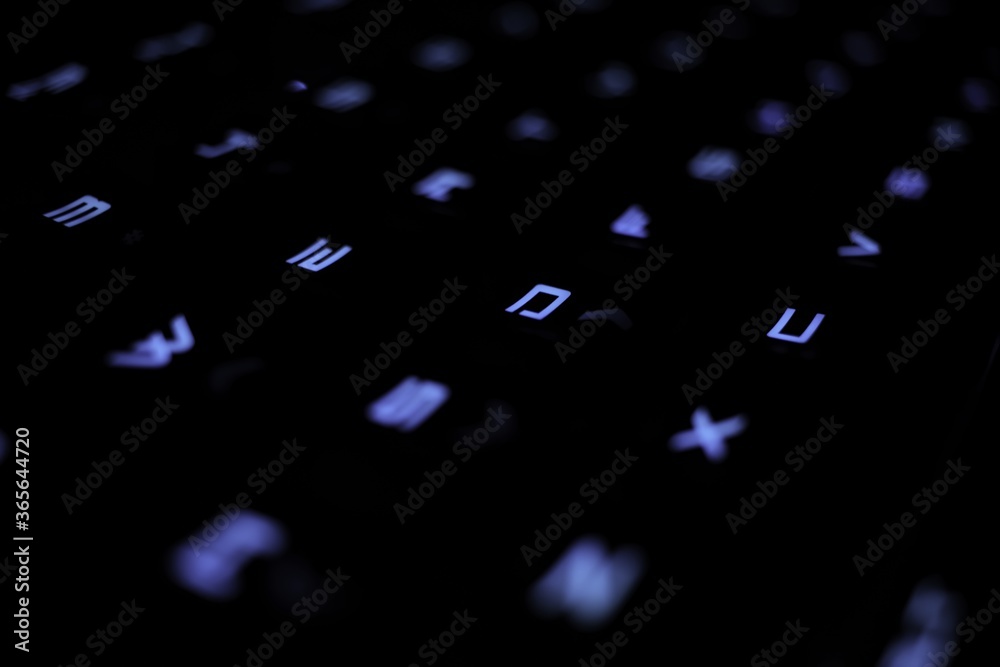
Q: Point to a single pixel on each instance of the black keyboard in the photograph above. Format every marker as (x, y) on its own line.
(573, 333)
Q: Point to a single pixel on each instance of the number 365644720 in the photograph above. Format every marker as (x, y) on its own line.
(22, 472)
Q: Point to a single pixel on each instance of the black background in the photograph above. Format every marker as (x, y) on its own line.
(323, 176)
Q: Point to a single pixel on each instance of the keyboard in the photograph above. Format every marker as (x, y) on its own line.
(577, 333)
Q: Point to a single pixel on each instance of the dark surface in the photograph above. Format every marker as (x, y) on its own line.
(461, 550)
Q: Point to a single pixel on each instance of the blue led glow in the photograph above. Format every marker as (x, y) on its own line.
(532, 124)
(234, 139)
(439, 184)
(517, 20)
(60, 79)
(65, 77)
(344, 94)
(775, 331)
(614, 79)
(409, 404)
(908, 183)
(931, 609)
(863, 48)
(3, 446)
(829, 76)
(310, 6)
(911, 651)
(559, 294)
(155, 351)
(319, 255)
(295, 86)
(949, 132)
(78, 211)
(632, 222)
(708, 435)
(211, 568)
(713, 164)
(191, 36)
(588, 583)
(980, 95)
(929, 623)
(862, 246)
(672, 51)
(441, 53)
(768, 115)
